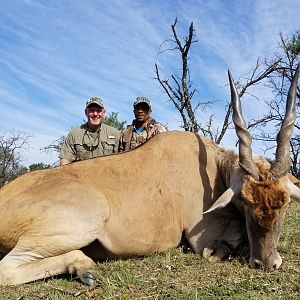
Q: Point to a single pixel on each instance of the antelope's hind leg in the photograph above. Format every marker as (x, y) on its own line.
(21, 267)
(50, 246)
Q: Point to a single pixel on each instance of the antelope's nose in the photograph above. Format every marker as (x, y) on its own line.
(258, 264)
(270, 264)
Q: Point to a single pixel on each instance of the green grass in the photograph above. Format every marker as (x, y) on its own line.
(178, 275)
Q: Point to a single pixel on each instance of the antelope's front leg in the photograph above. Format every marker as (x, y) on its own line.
(217, 250)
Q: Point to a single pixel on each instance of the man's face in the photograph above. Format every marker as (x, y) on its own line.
(142, 112)
(95, 115)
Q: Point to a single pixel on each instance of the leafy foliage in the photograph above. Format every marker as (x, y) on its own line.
(293, 46)
(112, 120)
(39, 166)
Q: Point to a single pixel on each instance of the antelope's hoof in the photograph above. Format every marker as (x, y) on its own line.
(216, 251)
(88, 278)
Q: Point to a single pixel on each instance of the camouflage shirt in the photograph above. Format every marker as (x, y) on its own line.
(82, 144)
(131, 138)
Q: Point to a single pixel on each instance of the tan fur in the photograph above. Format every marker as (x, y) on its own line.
(135, 203)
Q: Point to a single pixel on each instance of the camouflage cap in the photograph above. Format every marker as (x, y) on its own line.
(142, 100)
(95, 100)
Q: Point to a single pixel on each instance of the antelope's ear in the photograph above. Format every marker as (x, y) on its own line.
(294, 191)
(225, 198)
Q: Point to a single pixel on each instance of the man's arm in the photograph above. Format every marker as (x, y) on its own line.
(64, 161)
(121, 143)
(125, 138)
(155, 129)
(67, 152)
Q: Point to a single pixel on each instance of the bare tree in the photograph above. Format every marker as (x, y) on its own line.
(180, 89)
(287, 58)
(55, 146)
(10, 158)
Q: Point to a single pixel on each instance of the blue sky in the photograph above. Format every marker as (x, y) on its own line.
(56, 54)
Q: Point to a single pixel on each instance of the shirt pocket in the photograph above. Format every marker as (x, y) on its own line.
(81, 152)
(110, 146)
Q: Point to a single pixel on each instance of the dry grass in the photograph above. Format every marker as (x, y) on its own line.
(178, 275)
